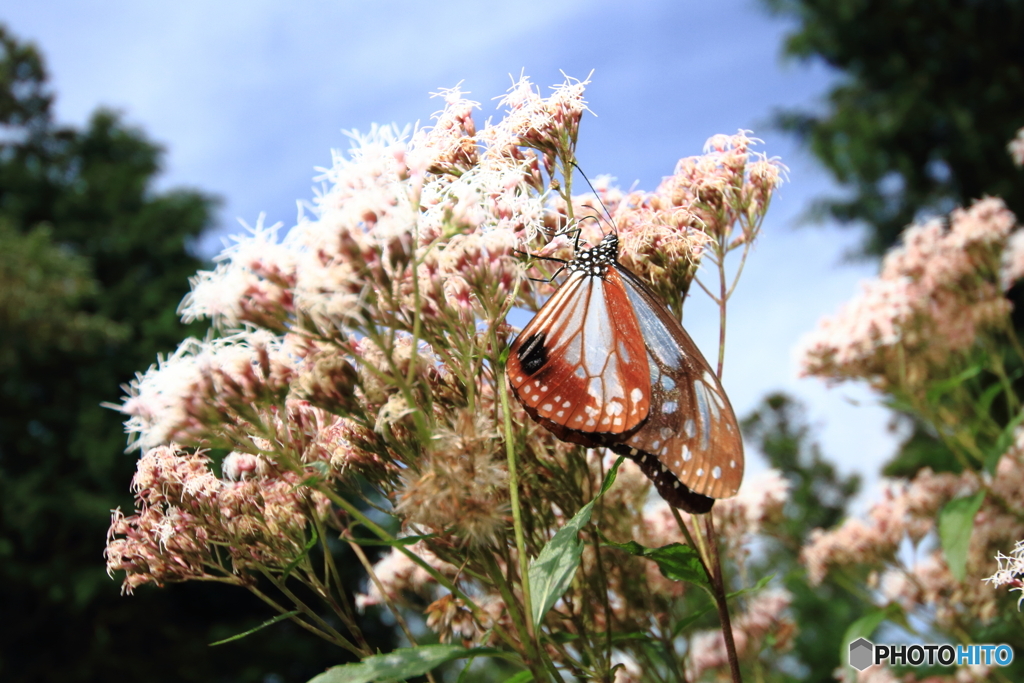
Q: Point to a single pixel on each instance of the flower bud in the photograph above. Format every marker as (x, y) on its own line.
(330, 385)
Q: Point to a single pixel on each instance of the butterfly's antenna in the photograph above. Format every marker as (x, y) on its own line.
(607, 213)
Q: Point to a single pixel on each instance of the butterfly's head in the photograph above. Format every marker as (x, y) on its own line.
(595, 260)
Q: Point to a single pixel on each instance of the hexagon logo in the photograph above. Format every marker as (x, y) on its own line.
(862, 653)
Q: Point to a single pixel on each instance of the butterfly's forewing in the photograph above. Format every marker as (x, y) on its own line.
(580, 365)
(691, 439)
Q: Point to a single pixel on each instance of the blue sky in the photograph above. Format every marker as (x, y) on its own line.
(250, 97)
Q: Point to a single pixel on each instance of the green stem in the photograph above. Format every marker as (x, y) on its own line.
(519, 621)
(341, 607)
(739, 270)
(312, 615)
(416, 317)
(383, 535)
(387, 600)
(723, 301)
(329, 635)
(517, 516)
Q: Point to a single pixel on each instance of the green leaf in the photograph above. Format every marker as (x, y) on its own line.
(984, 404)
(562, 637)
(692, 618)
(1002, 444)
(320, 471)
(552, 570)
(676, 561)
(521, 677)
(948, 385)
(305, 551)
(404, 540)
(759, 586)
(956, 522)
(268, 622)
(898, 404)
(400, 664)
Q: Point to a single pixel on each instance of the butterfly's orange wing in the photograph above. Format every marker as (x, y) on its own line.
(580, 364)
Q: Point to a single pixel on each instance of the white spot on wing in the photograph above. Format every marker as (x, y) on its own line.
(623, 352)
(716, 472)
(704, 413)
(717, 399)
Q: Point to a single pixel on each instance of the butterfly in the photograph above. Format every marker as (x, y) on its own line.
(605, 363)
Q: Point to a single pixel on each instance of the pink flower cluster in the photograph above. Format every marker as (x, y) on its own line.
(189, 524)
(907, 514)
(203, 387)
(936, 293)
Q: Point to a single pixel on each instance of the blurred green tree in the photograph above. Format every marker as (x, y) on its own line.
(819, 495)
(928, 96)
(93, 263)
(927, 99)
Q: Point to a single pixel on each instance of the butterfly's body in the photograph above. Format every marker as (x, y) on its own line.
(604, 363)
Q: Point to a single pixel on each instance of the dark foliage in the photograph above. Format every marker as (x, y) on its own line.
(929, 95)
(778, 428)
(93, 263)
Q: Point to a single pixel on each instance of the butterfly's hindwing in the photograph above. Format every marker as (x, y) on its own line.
(692, 429)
